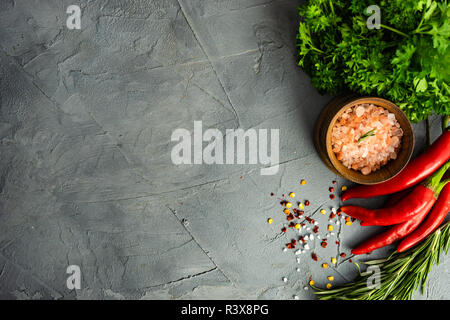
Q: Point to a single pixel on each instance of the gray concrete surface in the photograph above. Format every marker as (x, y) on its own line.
(86, 176)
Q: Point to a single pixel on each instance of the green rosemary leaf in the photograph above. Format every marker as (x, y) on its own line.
(401, 273)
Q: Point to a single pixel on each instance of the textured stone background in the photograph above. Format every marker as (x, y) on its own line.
(85, 172)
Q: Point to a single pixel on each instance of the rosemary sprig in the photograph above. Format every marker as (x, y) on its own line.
(367, 134)
(401, 273)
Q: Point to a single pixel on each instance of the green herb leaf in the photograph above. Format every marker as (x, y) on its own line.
(367, 134)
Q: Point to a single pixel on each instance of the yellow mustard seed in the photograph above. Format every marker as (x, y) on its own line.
(288, 205)
(286, 211)
(348, 223)
(301, 206)
(303, 182)
(292, 195)
(270, 221)
(323, 211)
(325, 265)
(330, 227)
(297, 226)
(343, 188)
(329, 285)
(333, 260)
(311, 282)
(330, 278)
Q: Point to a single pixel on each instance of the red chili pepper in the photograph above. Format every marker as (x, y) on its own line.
(422, 198)
(418, 169)
(434, 219)
(393, 200)
(391, 235)
(396, 197)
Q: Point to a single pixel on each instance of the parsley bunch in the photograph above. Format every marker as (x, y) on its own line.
(406, 60)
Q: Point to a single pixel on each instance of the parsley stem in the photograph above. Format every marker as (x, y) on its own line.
(445, 120)
(393, 30)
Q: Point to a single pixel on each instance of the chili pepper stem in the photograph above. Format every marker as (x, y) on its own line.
(434, 181)
(442, 185)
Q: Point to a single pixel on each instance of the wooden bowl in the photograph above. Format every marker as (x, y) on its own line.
(326, 122)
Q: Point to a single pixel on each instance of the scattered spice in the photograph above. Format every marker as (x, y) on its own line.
(297, 226)
(330, 278)
(325, 265)
(333, 260)
(314, 257)
(316, 229)
(286, 211)
(307, 202)
(343, 255)
(290, 217)
(334, 182)
(329, 285)
(332, 196)
(343, 188)
(331, 189)
(271, 194)
(292, 195)
(270, 221)
(303, 182)
(290, 246)
(332, 215)
(288, 205)
(323, 211)
(283, 229)
(350, 260)
(324, 244)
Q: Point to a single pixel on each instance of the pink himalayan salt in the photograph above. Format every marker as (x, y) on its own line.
(371, 153)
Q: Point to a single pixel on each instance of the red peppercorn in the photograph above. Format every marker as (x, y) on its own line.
(307, 203)
(290, 217)
(294, 242)
(316, 229)
(324, 244)
(283, 229)
(331, 189)
(343, 255)
(332, 196)
(334, 182)
(314, 257)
